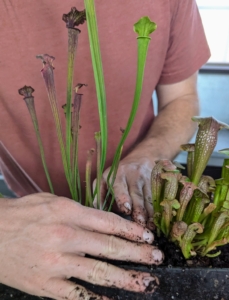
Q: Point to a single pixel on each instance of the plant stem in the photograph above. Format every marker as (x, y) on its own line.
(143, 45)
(29, 100)
(225, 169)
(48, 76)
(72, 45)
(112, 183)
(98, 178)
(89, 200)
(75, 132)
(98, 76)
(218, 224)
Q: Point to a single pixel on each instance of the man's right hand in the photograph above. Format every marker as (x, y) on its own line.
(44, 239)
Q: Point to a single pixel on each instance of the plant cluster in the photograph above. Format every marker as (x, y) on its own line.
(193, 210)
(69, 147)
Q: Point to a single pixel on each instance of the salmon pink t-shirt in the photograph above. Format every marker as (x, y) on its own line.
(178, 49)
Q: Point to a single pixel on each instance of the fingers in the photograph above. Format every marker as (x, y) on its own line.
(147, 195)
(109, 223)
(112, 247)
(102, 273)
(133, 196)
(60, 289)
(139, 213)
(122, 197)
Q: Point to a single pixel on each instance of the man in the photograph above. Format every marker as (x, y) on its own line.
(47, 230)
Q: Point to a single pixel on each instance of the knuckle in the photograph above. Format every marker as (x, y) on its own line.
(62, 204)
(111, 221)
(52, 259)
(148, 200)
(112, 246)
(61, 232)
(59, 203)
(99, 273)
(136, 192)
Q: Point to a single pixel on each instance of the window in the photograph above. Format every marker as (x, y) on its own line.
(215, 17)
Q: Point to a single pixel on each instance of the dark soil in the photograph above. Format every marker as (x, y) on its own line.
(174, 257)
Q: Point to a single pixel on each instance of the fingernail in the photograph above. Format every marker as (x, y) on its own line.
(150, 283)
(158, 256)
(127, 206)
(148, 236)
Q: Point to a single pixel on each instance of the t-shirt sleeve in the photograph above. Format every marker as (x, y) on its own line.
(187, 48)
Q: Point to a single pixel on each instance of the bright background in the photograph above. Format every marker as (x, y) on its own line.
(215, 17)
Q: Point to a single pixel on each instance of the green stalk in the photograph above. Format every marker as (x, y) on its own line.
(98, 178)
(217, 192)
(218, 224)
(75, 132)
(27, 91)
(72, 44)
(224, 231)
(110, 187)
(72, 19)
(98, 76)
(48, 75)
(225, 168)
(220, 192)
(144, 27)
(89, 200)
(112, 183)
(199, 208)
(196, 203)
(190, 148)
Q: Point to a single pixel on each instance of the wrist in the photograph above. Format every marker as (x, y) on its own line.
(149, 151)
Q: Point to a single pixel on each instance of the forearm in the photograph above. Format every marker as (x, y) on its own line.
(171, 128)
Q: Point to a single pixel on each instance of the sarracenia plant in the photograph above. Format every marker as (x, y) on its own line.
(144, 27)
(69, 148)
(193, 211)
